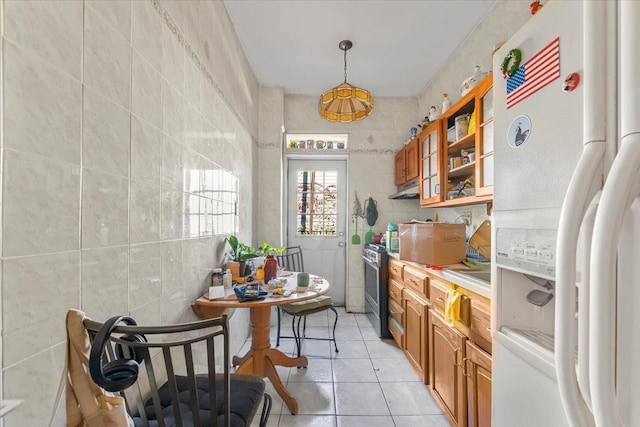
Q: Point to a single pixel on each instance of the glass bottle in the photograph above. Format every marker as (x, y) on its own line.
(270, 268)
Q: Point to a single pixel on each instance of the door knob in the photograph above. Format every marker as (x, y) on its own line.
(341, 234)
(341, 244)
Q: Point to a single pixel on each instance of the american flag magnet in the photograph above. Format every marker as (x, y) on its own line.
(539, 70)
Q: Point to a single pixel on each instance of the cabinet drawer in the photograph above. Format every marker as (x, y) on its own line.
(395, 291)
(396, 312)
(396, 332)
(416, 280)
(395, 269)
(481, 324)
(438, 295)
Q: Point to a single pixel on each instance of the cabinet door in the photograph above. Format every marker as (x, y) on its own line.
(412, 159)
(447, 381)
(415, 315)
(400, 168)
(478, 372)
(484, 150)
(430, 183)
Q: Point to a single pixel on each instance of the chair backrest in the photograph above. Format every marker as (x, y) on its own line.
(176, 360)
(291, 259)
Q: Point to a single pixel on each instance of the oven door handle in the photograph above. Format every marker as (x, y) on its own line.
(371, 264)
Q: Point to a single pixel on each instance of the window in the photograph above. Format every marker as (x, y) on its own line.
(316, 198)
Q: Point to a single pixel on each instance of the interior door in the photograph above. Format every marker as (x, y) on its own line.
(316, 218)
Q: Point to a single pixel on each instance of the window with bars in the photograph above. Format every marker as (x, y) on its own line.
(316, 197)
(211, 197)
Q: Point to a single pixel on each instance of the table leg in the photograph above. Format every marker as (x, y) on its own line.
(281, 359)
(261, 360)
(237, 360)
(289, 400)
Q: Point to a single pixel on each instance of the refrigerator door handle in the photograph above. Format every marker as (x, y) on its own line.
(571, 217)
(619, 191)
(579, 193)
(584, 250)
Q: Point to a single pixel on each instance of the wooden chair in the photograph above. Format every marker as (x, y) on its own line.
(177, 383)
(291, 260)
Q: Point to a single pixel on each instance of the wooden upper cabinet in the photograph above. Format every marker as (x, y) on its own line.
(430, 175)
(407, 163)
(465, 152)
(400, 167)
(484, 153)
(412, 159)
(478, 372)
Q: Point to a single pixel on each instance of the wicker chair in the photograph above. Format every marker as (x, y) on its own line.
(291, 259)
(168, 391)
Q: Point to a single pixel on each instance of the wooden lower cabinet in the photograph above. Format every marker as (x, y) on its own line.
(415, 332)
(478, 373)
(446, 376)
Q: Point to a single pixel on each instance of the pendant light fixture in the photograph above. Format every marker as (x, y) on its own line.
(345, 103)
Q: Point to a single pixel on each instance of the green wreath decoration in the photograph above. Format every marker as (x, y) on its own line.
(516, 56)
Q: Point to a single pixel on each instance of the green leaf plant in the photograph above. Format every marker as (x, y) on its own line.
(239, 251)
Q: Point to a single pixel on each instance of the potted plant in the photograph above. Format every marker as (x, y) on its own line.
(238, 255)
(266, 249)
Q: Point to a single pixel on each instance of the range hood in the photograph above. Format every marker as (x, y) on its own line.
(410, 190)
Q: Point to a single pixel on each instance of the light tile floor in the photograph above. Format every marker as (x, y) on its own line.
(368, 383)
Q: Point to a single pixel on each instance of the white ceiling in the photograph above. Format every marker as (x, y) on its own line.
(397, 45)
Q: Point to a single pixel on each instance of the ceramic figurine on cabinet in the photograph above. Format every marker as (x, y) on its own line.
(433, 114)
(470, 82)
(446, 102)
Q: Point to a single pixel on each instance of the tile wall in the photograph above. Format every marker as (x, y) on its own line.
(121, 120)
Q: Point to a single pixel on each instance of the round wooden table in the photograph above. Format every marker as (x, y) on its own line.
(261, 359)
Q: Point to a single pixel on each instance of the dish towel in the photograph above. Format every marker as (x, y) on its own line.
(452, 306)
(240, 294)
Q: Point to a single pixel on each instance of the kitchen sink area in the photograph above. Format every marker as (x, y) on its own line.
(482, 275)
(475, 280)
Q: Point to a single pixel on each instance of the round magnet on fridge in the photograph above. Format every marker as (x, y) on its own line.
(571, 82)
(519, 131)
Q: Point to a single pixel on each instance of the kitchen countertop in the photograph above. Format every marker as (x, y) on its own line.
(454, 274)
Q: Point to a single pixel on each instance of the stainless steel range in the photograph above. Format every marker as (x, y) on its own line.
(376, 293)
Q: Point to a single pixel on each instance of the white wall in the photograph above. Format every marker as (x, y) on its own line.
(106, 107)
(503, 20)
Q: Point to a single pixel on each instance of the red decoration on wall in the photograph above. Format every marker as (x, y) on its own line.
(535, 6)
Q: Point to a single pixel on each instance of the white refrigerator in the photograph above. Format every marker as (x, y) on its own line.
(566, 223)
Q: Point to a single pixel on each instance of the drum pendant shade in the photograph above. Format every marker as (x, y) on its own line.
(345, 102)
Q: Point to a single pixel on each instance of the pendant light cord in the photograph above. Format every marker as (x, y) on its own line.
(345, 65)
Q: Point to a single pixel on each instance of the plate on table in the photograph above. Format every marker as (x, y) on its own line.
(285, 274)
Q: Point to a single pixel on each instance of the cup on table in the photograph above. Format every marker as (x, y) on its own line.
(303, 282)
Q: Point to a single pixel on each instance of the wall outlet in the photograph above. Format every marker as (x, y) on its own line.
(467, 216)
